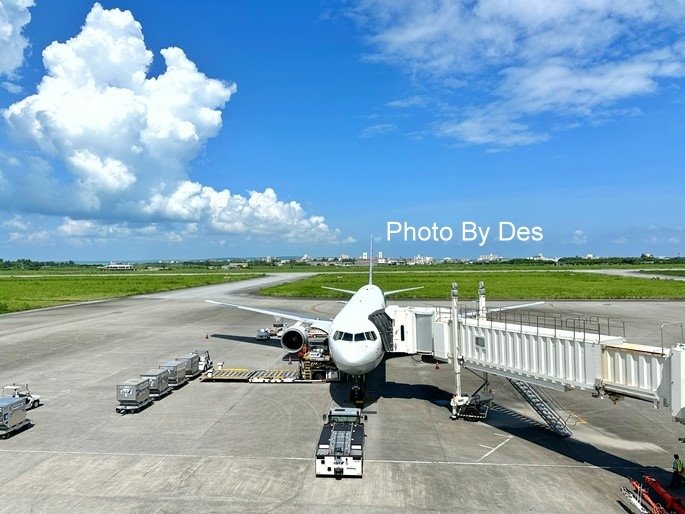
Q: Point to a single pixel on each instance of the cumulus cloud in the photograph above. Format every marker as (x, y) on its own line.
(579, 238)
(16, 223)
(410, 101)
(380, 129)
(14, 15)
(568, 58)
(104, 141)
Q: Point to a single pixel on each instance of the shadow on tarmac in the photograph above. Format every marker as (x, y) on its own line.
(507, 421)
(499, 417)
(273, 343)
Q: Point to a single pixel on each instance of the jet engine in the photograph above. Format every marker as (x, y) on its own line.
(294, 338)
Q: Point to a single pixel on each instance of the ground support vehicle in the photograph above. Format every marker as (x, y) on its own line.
(340, 451)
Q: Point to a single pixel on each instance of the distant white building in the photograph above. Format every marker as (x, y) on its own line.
(365, 255)
(491, 257)
(421, 260)
(118, 266)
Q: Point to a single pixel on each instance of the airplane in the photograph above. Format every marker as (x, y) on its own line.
(358, 336)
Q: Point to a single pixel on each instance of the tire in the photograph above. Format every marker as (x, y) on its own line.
(471, 412)
(35, 404)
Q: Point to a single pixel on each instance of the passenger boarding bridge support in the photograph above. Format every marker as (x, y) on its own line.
(534, 356)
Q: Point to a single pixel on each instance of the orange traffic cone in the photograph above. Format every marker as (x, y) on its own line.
(207, 335)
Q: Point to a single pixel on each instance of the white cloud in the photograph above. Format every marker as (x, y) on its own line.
(579, 238)
(108, 143)
(568, 58)
(39, 237)
(673, 240)
(380, 129)
(14, 15)
(11, 87)
(16, 223)
(411, 101)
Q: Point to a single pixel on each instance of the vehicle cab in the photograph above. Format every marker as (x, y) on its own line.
(21, 391)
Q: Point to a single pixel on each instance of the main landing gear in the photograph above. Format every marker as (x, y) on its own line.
(358, 391)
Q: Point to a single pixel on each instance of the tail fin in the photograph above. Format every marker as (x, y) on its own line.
(371, 262)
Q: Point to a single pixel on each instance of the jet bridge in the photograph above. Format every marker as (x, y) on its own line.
(534, 356)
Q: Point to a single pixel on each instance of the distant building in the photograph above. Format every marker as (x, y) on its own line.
(420, 260)
(491, 257)
(118, 266)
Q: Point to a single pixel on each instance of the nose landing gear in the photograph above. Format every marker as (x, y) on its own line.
(358, 391)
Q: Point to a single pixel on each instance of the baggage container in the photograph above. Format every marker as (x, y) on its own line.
(159, 381)
(133, 395)
(177, 372)
(12, 412)
(134, 391)
(192, 362)
(12, 416)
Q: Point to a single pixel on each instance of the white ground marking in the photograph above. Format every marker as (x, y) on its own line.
(495, 448)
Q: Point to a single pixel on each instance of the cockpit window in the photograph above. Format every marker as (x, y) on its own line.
(337, 336)
(371, 336)
(347, 336)
(359, 337)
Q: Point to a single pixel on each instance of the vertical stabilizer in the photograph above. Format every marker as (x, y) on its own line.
(371, 262)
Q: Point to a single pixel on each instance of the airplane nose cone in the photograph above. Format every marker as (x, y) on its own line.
(355, 358)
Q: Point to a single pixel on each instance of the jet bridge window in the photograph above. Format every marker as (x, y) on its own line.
(480, 341)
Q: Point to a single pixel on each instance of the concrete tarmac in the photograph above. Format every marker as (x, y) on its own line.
(220, 447)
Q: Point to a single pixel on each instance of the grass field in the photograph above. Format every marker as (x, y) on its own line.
(19, 293)
(673, 273)
(500, 286)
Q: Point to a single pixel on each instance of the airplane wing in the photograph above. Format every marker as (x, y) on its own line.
(286, 315)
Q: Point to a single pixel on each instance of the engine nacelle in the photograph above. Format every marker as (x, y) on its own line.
(294, 338)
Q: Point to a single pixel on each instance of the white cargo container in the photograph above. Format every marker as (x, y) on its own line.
(159, 382)
(12, 416)
(177, 372)
(192, 364)
(133, 395)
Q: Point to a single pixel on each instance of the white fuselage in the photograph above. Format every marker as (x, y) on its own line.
(354, 342)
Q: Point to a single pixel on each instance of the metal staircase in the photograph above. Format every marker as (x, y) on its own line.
(546, 411)
(306, 370)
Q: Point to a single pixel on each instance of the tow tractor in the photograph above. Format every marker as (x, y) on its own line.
(341, 445)
(21, 391)
(205, 361)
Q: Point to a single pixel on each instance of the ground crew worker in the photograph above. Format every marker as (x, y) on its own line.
(677, 472)
(454, 403)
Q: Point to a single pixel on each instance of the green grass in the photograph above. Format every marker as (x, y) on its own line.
(19, 293)
(500, 286)
(672, 273)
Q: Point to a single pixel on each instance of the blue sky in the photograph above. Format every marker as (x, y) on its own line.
(168, 129)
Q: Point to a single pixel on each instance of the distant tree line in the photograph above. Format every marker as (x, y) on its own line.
(29, 264)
